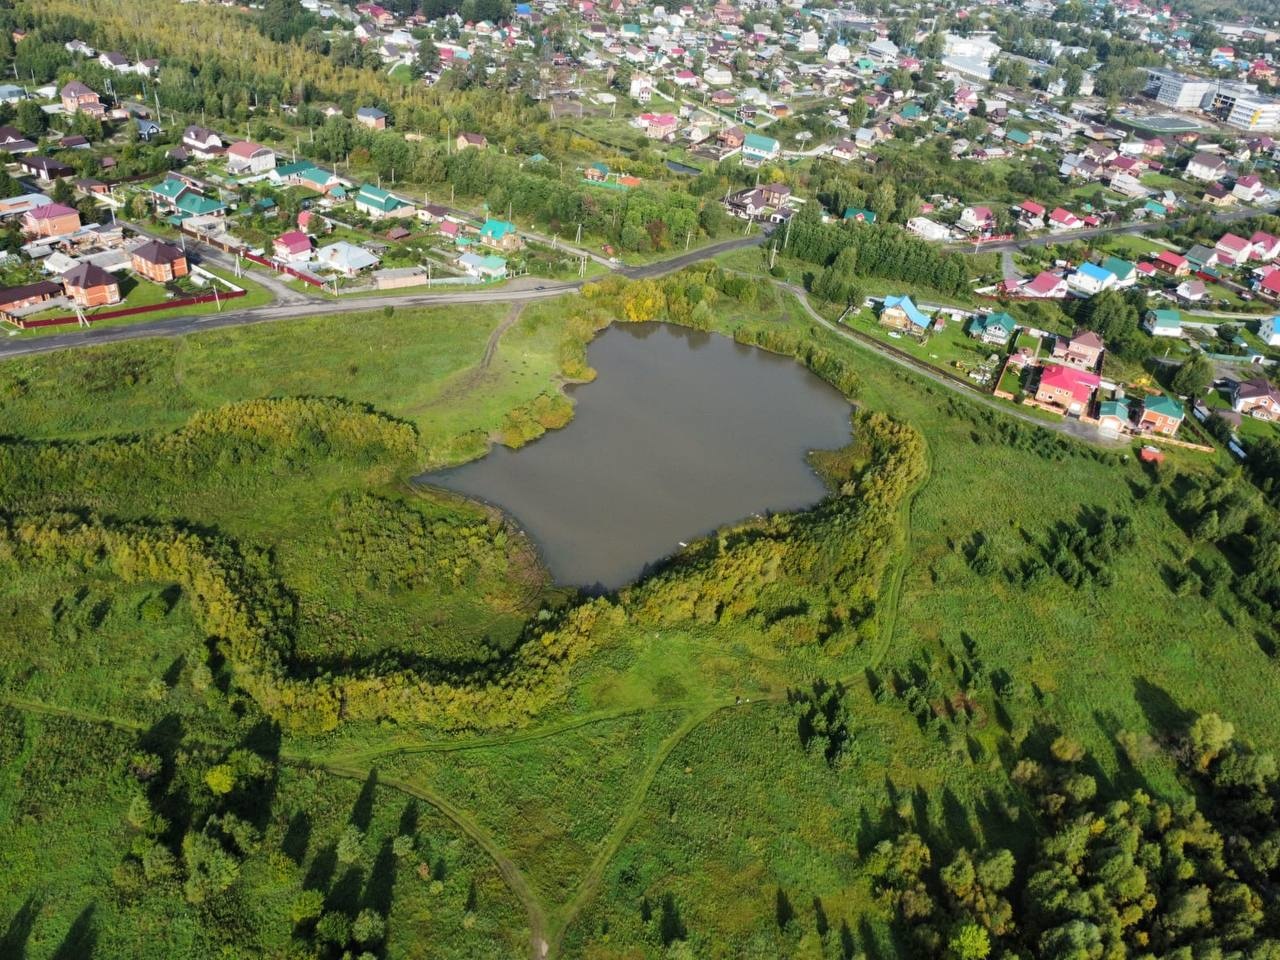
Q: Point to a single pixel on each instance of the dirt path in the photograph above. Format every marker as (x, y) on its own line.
(511, 874)
(472, 378)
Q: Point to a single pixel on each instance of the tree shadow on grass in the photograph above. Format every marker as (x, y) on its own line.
(322, 868)
(81, 939)
(382, 878)
(344, 896)
(1164, 715)
(297, 837)
(362, 812)
(13, 945)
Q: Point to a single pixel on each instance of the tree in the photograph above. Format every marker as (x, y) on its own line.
(969, 942)
(350, 845)
(307, 906)
(1192, 379)
(369, 927)
(220, 779)
(30, 120)
(1208, 737)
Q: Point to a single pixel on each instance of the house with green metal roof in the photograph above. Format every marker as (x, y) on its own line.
(1163, 323)
(1114, 416)
(995, 328)
(860, 214)
(192, 204)
(166, 193)
(500, 234)
(379, 204)
(757, 148)
(1018, 137)
(1125, 272)
(1160, 414)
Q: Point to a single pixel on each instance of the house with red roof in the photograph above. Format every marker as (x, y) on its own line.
(1265, 247)
(1249, 189)
(1232, 250)
(1269, 283)
(1061, 219)
(249, 157)
(1046, 286)
(1174, 264)
(1030, 215)
(976, 219)
(292, 246)
(1066, 388)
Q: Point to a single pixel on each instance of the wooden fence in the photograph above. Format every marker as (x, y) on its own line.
(126, 311)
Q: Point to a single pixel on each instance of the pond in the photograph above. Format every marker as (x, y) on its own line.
(680, 433)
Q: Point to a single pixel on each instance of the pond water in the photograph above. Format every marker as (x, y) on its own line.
(680, 433)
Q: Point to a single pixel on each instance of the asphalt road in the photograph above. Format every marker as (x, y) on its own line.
(179, 326)
(1132, 229)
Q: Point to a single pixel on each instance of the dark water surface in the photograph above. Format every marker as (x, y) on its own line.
(680, 433)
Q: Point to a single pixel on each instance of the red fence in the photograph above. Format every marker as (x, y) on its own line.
(129, 311)
(283, 268)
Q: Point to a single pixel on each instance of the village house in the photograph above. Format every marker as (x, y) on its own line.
(1163, 323)
(1160, 414)
(900, 313)
(158, 261)
(1269, 330)
(1045, 286)
(1206, 167)
(757, 148)
(1257, 398)
(489, 267)
(1114, 417)
(371, 117)
(1232, 250)
(1030, 215)
(1173, 264)
(464, 140)
(1082, 349)
(993, 328)
(346, 258)
(1249, 189)
(50, 220)
(1089, 278)
(77, 97)
(1265, 247)
(292, 247)
(1066, 388)
(660, 126)
(248, 157)
(976, 220)
(1061, 219)
(378, 204)
(17, 299)
(500, 235)
(90, 286)
(204, 144)
(44, 169)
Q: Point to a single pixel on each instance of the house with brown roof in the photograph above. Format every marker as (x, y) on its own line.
(158, 261)
(1082, 350)
(1257, 397)
(76, 97)
(44, 169)
(51, 220)
(464, 140)
(91, 286)
(19, 298)
(202, 143)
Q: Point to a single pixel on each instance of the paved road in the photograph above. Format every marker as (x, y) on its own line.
(1132, 229)
(310, 307)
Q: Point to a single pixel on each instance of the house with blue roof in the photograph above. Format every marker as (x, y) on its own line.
(899, 313)
(486, 268)
(1089, 278)
(1163, 323)
(500, 235)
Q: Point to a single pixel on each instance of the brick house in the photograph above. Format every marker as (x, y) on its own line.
(91, 286)
(158, 261)
(50, 220)
(1082, 350)
(1066, 388)
(1160, 414)
(1258, 398)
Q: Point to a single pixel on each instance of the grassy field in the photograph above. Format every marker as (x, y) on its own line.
(666, 799)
